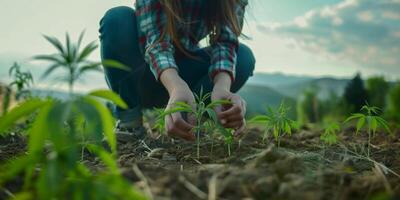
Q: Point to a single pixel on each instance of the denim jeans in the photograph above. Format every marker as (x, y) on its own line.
(138, 87)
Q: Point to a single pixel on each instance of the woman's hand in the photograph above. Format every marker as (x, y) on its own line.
(233, 115)
(175, 124)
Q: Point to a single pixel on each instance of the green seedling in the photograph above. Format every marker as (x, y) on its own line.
(200, 112)
(369, 120)
(22, 80)
(55, 142)
(329, 136)
(276, 122)
(73, 60)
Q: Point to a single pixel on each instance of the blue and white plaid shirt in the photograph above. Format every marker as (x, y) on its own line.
(159, 54)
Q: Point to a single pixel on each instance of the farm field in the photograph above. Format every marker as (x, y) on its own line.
(301, 168)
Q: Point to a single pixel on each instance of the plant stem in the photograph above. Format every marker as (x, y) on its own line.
(369, 142)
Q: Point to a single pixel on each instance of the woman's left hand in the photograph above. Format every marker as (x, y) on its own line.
(232, 115)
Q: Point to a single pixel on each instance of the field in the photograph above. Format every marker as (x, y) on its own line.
(299, 169)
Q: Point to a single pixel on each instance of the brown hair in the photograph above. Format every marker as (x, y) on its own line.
(220, 13)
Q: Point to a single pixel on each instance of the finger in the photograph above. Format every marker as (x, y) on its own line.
(234, 125)
(180, 123)
(240, 131)
(174, 132)
(234, 118)
(244, 107)
(234, 110)
(168, 123)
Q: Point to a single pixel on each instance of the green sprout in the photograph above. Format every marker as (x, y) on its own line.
(371, 120)
(276, 122)
(59, 132)
(329, 136)
(73, 60)
(22, 80)
(200, 112)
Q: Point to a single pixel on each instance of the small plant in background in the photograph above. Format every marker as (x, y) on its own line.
(74, 60)
(371, 121)
(201, 112)
(22, 80)
(329, 137)
(276, 122)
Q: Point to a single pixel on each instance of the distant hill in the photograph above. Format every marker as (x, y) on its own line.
(276, 79)
(259, 97)
(325, 86)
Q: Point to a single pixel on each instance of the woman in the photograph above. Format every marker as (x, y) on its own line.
(159, 41)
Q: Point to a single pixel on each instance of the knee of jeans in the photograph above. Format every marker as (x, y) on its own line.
(245, 62)
(116, 21)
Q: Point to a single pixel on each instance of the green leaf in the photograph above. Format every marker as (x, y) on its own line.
(107, 122)
(50, 70)
(259, 119)
(384, 124)
(50, 58)
(212, 114)
(374, 124)
(110, 96)
(354, 116)
(115, 64)
(105, 157)
(55, 42)
(360, 124)
(216, 103)
(87, 51)
(23, 110)
(40, 130)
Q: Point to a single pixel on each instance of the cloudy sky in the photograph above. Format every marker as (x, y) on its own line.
(314, 37)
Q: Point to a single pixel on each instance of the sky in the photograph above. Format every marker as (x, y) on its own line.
(307, 37)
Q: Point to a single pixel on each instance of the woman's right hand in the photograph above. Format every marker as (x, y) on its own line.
(179, 91)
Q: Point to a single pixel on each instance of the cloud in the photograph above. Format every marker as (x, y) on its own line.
(365, 32)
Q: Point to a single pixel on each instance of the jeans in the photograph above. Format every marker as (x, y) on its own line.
(138, 87)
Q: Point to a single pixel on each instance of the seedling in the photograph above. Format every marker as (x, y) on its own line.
(22, 80)
(276, 122)
(329, 136)
(371, 121)
(74, 60)
(55, 140)
(200, 112)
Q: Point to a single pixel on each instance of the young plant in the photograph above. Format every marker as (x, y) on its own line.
(200, 112)
(22, 80)
(276, 122)
(329, 137)
(55, 141)
(73, 60)
(369, 120)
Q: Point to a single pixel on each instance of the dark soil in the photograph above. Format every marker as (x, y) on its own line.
(301, 168)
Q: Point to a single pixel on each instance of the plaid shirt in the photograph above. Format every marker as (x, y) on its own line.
(159, 54)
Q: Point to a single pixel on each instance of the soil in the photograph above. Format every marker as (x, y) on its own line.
(301, 168)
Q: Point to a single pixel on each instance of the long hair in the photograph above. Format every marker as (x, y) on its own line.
(220, 13)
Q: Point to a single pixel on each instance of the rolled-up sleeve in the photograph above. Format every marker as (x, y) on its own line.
(224, 50)
(158, 51)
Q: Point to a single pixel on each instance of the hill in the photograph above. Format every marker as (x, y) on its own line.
(258, 98)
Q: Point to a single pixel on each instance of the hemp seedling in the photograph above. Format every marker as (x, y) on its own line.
(373, 122)
(276, 122)
(74, 60)
(200, 112)
(329, 136)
